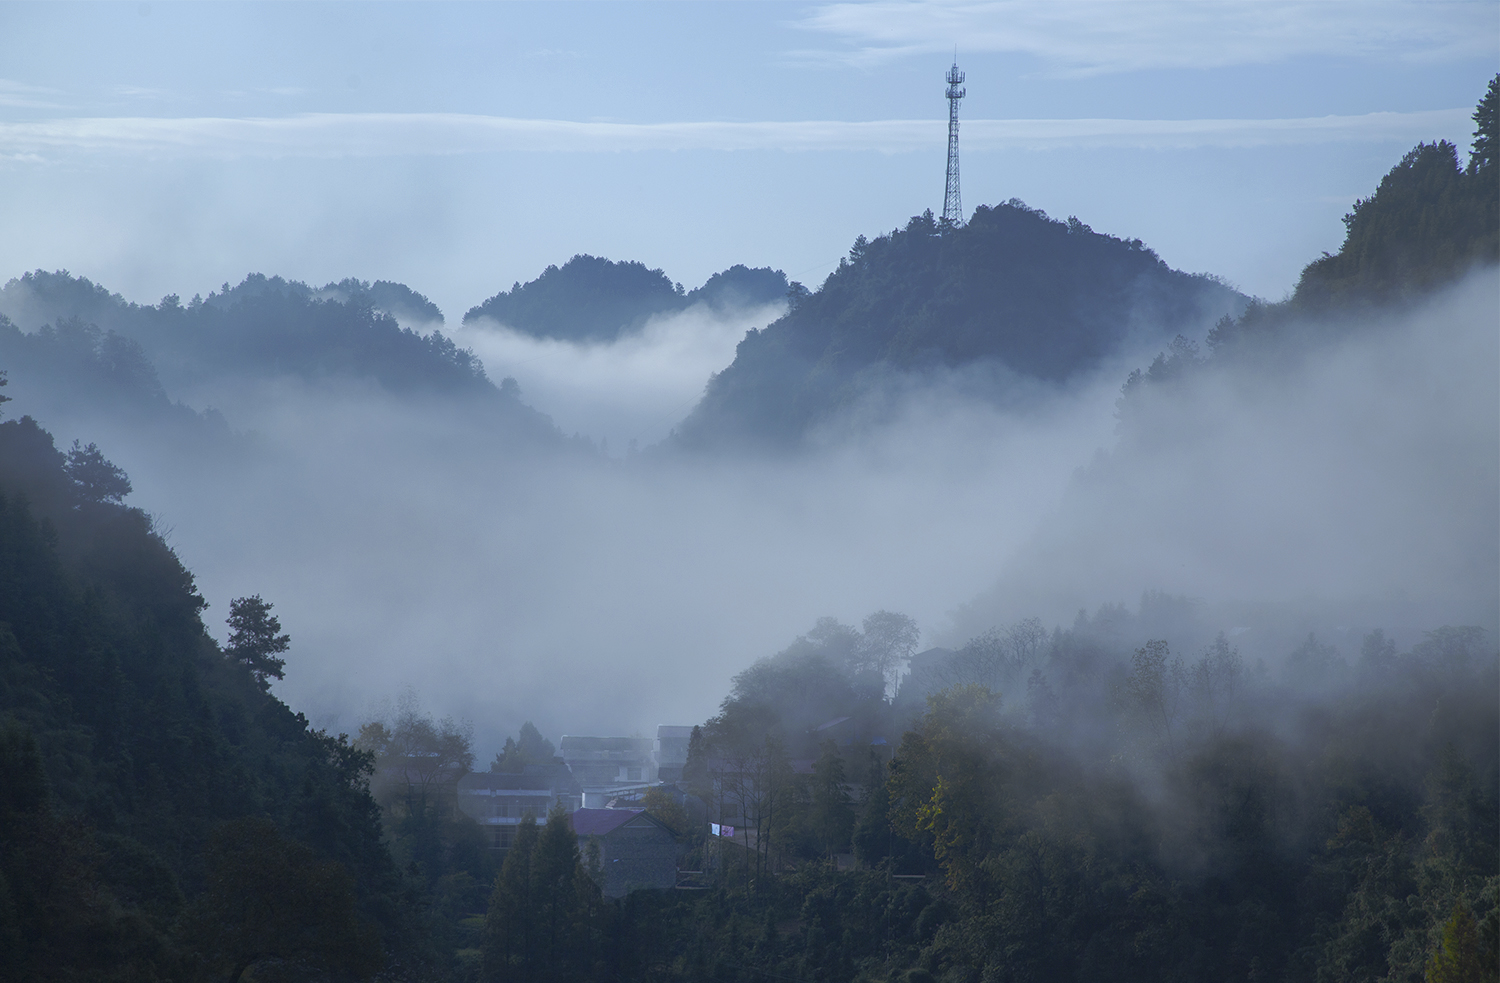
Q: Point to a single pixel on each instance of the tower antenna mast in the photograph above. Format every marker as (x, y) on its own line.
(953, 209)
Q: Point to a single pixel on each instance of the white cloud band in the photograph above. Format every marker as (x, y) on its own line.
(392, 134)
(1092, 37)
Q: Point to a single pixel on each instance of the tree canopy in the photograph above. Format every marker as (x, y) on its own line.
(591, 299)
(1013, 291)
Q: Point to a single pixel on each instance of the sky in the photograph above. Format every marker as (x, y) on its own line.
(168, 148)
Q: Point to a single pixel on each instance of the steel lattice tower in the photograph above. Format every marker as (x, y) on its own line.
(953, 209)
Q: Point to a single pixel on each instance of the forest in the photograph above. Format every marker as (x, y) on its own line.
(1033, 804)
(1011, 292)
(591, 299)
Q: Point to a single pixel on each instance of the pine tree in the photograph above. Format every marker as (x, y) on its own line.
(255, 638)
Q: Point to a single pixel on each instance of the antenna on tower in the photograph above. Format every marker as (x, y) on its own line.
(953, 209)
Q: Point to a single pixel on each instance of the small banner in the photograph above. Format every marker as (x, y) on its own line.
(718, 830)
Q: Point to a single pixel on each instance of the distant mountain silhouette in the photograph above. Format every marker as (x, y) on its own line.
(263, 326)
(71, 341)
(1042, 298)
(589, 299)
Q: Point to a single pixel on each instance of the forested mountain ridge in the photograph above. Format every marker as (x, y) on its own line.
(591, 299)
(1042, 298)
(164, 816)
(264, 326)
(73, 348)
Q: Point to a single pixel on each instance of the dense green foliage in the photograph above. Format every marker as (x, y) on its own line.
(1133, 816)
(1012, 289)
(590, 299)
(130, 741)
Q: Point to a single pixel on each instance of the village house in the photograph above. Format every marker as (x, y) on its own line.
(498, 801)
(636, 850)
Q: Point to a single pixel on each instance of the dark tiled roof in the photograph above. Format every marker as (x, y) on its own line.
(597, 822)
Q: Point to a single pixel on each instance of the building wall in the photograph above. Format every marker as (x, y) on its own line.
(635, 857)
(598, 761)
(671, 751)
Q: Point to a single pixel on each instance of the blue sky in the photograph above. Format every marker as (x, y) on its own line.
(169, 147)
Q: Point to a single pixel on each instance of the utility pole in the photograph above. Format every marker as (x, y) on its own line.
(953, 209)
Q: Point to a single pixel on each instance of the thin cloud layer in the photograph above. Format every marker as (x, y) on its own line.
(335, 135)
(1108, 36)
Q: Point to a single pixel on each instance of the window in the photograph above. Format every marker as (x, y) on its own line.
(635, 774)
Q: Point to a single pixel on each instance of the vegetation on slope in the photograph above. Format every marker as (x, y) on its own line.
(1042, 298)
(1430, 222)
(144, 768)
(265, 326)
(590, 299)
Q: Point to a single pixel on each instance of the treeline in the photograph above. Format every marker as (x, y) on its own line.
(1083, 813)
(591, 299)
(263, 326)
(1430, 222)
(78, 353)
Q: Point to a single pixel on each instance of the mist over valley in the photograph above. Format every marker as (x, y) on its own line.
(998, 602)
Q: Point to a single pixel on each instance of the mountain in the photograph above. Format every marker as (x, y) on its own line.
(589, 299)
(71, 346)
(1041, 298)
(264, 326)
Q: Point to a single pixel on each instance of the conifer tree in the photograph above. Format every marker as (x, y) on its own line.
(255, 638)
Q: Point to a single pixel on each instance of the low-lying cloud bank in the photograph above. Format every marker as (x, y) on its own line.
(403, 544)
(1358, 486)
(631, 390)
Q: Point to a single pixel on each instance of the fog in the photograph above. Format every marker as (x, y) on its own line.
(635, 389)
(1357, 486)
(404, 544)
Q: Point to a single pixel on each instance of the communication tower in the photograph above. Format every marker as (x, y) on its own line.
(953, 209)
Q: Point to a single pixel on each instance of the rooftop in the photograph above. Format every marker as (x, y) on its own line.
(597, 822)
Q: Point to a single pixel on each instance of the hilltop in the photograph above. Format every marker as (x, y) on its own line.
(589, 299)
(1043, 299)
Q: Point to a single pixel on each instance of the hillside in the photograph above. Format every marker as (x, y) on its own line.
(143, 770)
(589, 299)
(1044, 299)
